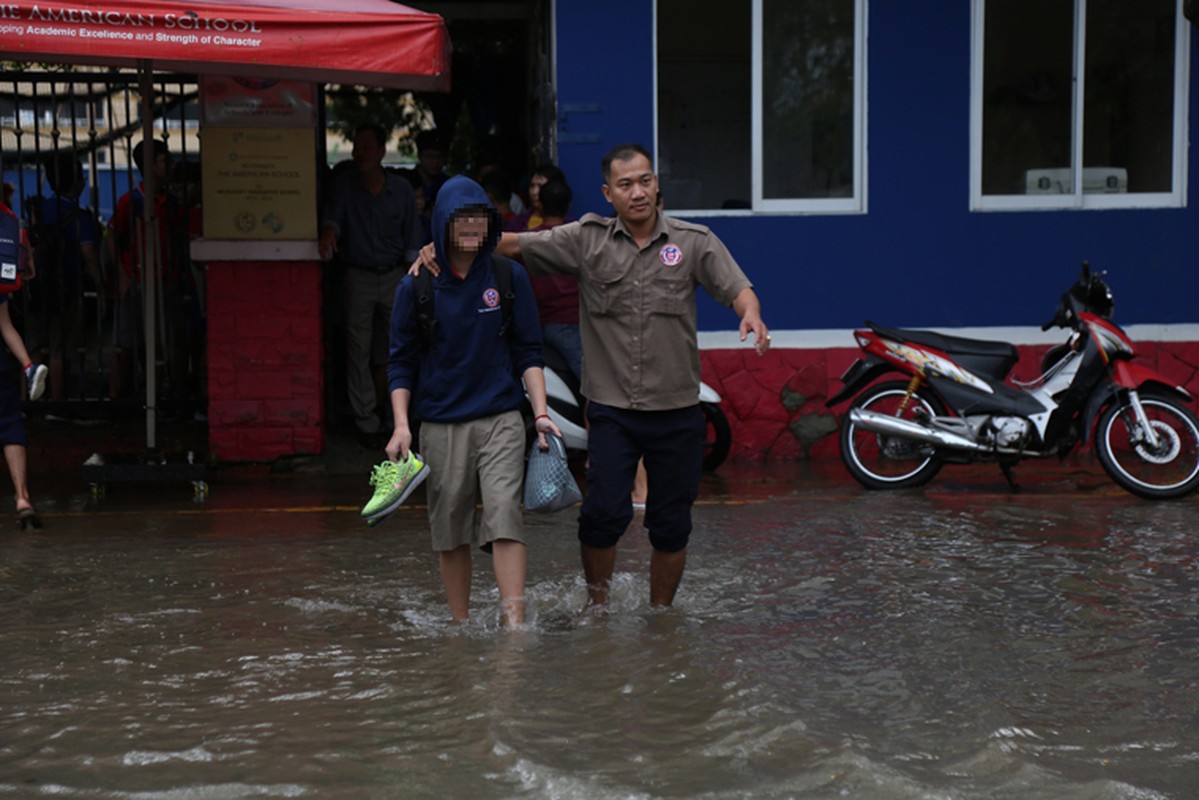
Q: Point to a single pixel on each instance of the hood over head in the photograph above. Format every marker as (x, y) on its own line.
(456, 194)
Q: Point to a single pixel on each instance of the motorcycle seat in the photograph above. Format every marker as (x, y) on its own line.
(994, 359)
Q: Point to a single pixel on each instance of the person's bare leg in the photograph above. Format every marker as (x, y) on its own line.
(665, 573)
(14, 456)
(455, 577)
(508, 558)
(598, 565)
(640, 485)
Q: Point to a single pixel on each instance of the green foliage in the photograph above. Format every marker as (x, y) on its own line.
(397, 110)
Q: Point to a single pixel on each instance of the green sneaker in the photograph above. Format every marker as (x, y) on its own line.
(393, 482)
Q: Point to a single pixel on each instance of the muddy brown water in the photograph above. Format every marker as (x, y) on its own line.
(956, 642)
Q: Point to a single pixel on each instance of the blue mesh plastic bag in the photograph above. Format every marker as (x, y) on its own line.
(549, 486)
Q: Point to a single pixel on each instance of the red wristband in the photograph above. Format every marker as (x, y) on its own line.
(541, 416)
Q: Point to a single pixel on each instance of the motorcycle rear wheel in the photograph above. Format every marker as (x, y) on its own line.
(1171, 469)
(879, 461)
(718, 438)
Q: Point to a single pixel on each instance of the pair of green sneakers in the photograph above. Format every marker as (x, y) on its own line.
(394, 481)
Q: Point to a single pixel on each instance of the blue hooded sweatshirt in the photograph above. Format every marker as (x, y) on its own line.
(472, 371)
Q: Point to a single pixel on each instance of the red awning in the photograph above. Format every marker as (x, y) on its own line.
(367, 42)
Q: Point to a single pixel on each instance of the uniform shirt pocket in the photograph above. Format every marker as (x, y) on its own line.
(669, 296)
(601, 292)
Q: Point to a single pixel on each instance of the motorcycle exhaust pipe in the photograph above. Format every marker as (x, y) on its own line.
(894, 426)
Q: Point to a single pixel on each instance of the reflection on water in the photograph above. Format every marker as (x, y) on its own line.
(827, 642)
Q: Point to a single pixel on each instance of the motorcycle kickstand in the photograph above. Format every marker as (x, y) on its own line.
(1011, 479)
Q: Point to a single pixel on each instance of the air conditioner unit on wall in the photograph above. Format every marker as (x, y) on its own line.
(1095, 180)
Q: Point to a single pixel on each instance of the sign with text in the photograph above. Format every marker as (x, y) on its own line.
(259, 183)
(373, 42)
(261, 102)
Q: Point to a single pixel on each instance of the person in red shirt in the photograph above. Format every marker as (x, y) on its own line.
(126, 243)
(534, 217)
(558, 295)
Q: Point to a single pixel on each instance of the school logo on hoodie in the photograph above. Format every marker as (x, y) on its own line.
(491, 298)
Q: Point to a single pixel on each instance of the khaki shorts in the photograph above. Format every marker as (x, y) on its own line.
(483, 458)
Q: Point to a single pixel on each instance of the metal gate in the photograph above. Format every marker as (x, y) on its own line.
(71, 312)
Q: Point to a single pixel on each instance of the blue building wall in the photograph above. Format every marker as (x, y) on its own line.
(919, 257)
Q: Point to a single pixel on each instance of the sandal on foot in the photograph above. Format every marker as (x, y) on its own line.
(28, 518)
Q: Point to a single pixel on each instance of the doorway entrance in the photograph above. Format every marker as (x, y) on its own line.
(498, 114)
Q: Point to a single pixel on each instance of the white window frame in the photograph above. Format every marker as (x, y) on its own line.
(855, 203)
(1076, 198)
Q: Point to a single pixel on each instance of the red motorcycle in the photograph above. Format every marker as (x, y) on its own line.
(955, 404)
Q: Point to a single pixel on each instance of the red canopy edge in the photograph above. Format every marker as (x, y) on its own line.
(367, 42)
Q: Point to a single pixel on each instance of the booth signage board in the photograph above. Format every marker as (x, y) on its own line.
(259, 183)
(228, 101)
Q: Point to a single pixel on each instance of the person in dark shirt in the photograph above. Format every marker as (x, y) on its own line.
(371, 224)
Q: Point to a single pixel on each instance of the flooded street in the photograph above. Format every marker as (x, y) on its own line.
(955, 642)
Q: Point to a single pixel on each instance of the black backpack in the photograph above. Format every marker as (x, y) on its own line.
(10, 251)
(426, 318)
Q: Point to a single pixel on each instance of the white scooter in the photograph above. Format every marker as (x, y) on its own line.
(566, 410)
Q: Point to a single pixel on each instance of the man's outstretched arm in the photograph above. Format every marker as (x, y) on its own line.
(749, 309)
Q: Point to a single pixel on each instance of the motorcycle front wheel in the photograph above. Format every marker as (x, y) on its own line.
(1169, 469)
(879, 461)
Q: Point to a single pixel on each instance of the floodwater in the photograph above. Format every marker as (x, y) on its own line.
(827, 642)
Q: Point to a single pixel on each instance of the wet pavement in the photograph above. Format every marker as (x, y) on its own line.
(958, 641)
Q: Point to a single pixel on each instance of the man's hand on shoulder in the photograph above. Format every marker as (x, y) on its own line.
(427, 258)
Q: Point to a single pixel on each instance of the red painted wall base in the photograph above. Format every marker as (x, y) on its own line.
(776, 403)
(265, 365)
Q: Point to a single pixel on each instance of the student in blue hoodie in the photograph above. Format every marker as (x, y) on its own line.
(463, 379)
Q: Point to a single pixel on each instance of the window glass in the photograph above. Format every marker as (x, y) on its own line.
(704, 103)
(720, 145)
(1035, 109)
(807, 98)
(1129, 109)
(1027, 91)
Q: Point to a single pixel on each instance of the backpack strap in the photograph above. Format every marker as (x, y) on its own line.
(503, 280)
(426, 319)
